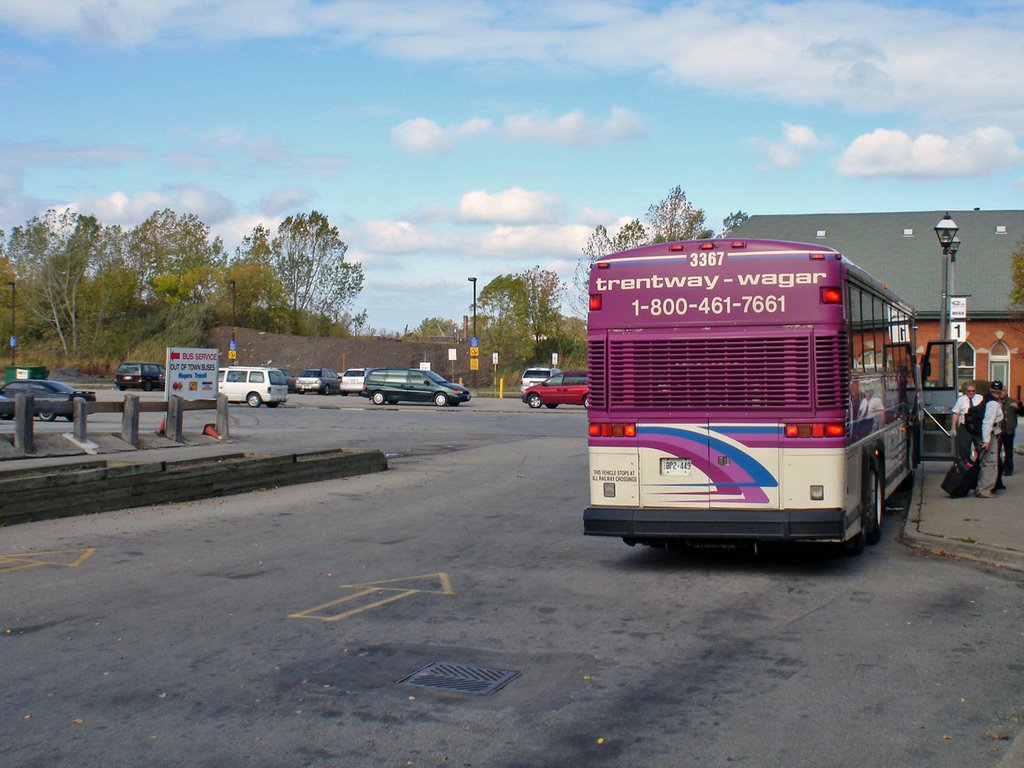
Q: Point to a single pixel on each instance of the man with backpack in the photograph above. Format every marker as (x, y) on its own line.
(991, 432)
(968, 430)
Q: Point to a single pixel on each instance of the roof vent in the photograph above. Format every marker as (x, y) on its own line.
(908, 232)
(822, 234)
(1000, 229)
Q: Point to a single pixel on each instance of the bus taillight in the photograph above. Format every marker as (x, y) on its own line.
(817, 429)
(831, 296)
(595, 302)
(611, 429)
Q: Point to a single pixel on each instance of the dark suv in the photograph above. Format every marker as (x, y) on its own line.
(145, 376)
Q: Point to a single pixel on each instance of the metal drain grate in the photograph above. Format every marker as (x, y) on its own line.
(466, 678)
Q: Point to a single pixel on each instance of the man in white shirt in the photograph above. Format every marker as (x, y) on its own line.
(965, 441)
(991, 429)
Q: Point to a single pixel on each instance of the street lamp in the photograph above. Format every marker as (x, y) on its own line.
(946, 231)
(473, 281)
(14, 336)
(234, 346)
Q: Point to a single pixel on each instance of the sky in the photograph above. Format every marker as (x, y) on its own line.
(449, 139)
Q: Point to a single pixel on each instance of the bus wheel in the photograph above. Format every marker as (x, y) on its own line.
(875, 510)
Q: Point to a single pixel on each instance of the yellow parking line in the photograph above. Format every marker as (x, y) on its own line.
(16, 561)
(440, 581)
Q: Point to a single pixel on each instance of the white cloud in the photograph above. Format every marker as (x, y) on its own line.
(868, 56)
(129, 210)
(574, 128)
(51, 154)
(514, 205)
(896, 154)
(286, 200)
(423, 135)
(797, 141)
(269, 154)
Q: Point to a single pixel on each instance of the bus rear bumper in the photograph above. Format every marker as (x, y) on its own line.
(767, 525)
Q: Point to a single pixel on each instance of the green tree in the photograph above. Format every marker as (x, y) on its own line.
(175, 259)
(1017, 277)
(434, 329)
(258, 293)
(309, 257)
(543, 291)
(676, 218)
(56, 253)
(501, 308)
(732, 221)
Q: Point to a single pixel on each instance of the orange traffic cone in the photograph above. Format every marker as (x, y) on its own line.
(211, 431)
(162, 430)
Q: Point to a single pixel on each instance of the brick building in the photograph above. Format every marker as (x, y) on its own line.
(901, 249)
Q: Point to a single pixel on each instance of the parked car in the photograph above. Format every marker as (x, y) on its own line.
(5, 411)
(390, 385)
(289, 379)
(145, 376)
(322, 380)
(352, 380)
(45, 389)
(565, 388)
(536, 375)
(252, 385)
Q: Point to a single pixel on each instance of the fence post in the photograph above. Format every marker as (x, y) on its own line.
(79, 428)
(222, 416)
(175, 415)
(24, 412)
(130, 420)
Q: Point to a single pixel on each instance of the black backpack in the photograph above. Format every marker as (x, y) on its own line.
(975, 416)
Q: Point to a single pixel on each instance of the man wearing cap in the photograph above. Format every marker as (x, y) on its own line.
(991, 431)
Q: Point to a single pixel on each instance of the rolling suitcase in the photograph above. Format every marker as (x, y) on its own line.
(961, 478)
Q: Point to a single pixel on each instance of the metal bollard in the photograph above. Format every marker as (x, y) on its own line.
(24, 412)
(175, 419)
(222, 416)
(130, 420)
(80, 420)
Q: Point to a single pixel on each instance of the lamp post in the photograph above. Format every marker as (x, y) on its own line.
(946, 231)
(14, 336)
(234, 346)
(473, 281)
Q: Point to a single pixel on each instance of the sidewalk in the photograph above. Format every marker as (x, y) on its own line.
(987, 530)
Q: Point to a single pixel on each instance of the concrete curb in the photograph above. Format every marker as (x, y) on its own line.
(913, 537)
(105, 485)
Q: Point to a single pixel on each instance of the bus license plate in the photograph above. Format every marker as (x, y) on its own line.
(675, 466)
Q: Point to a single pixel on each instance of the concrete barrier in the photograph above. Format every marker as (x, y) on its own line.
(102, 486)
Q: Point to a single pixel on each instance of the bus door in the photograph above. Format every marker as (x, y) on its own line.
(939, 392)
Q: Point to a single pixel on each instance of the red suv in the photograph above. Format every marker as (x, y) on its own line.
(565, 388)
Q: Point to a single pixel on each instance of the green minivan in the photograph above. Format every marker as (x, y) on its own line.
(389, 385)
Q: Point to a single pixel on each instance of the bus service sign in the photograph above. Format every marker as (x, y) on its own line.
(192, 373)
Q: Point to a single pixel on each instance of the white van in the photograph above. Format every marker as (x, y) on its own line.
(255, 386)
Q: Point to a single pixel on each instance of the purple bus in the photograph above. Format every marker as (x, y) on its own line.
(746, 390)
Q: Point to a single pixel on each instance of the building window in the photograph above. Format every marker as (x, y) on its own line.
(964, 364)
(999, 363)
(908, 232)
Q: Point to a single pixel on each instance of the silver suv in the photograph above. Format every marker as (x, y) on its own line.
(352, 380)
(322, 380)
(536, 375)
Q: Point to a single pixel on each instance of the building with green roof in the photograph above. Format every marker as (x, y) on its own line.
(902, 250)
